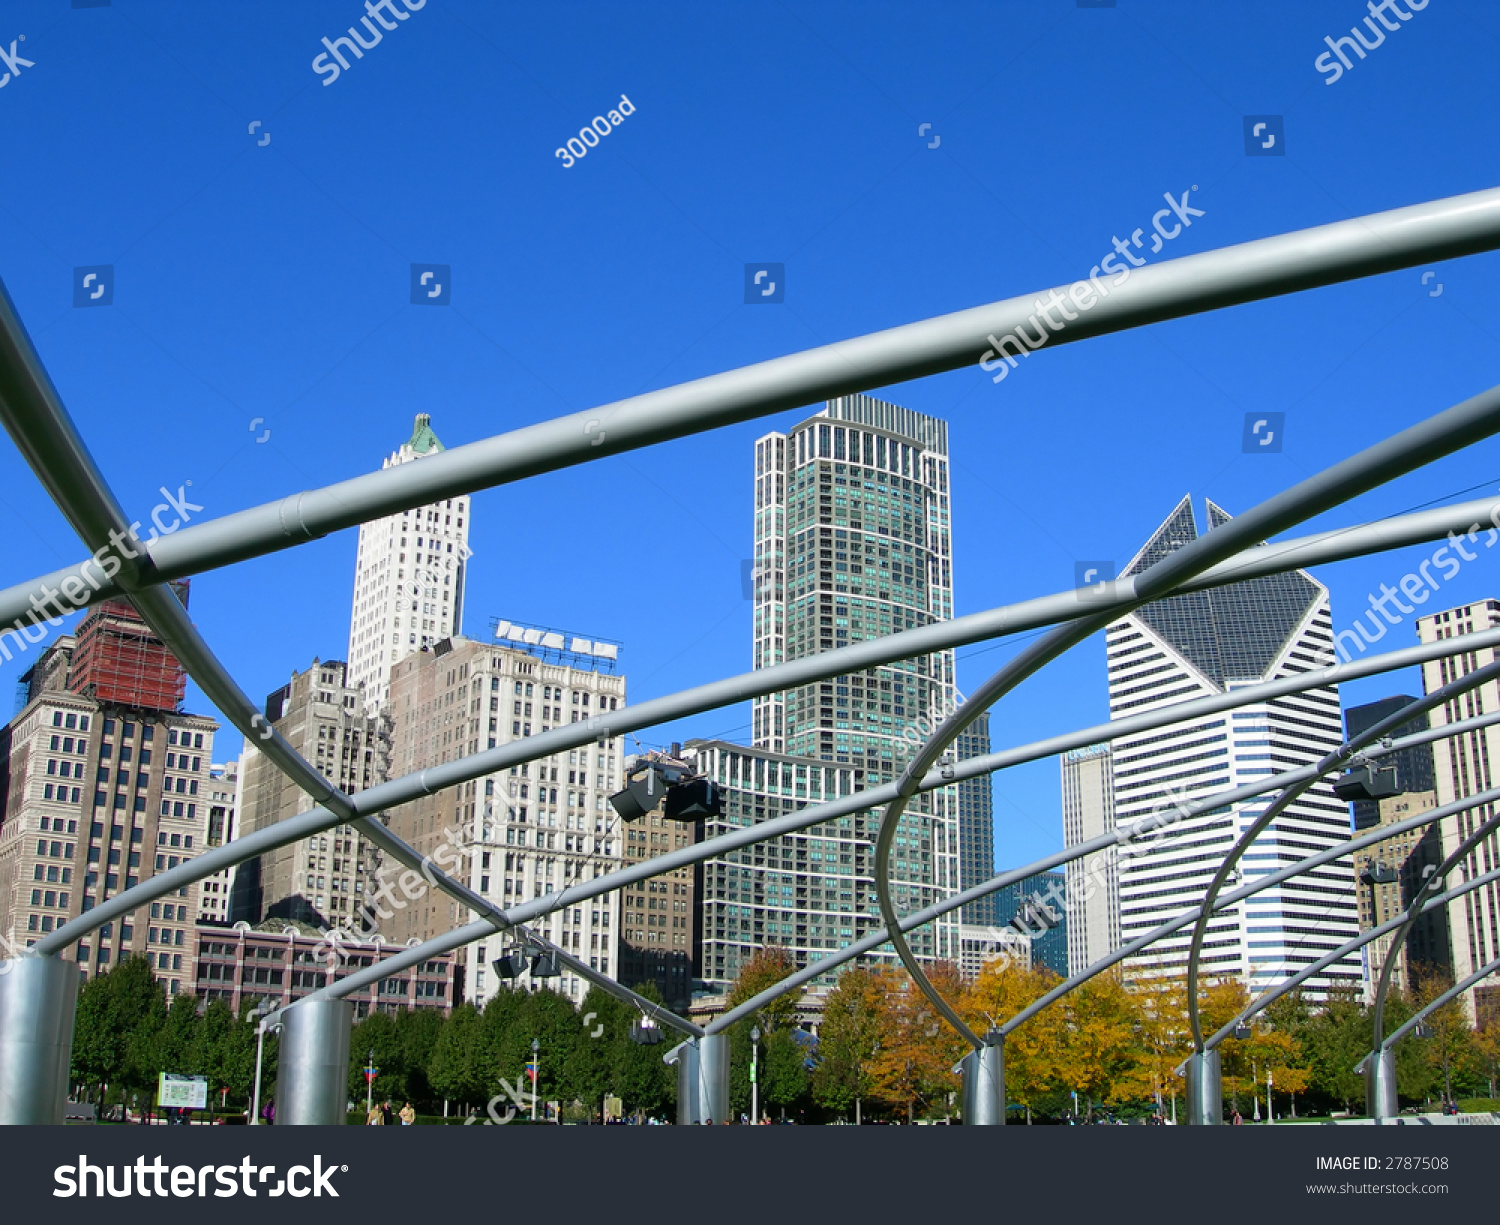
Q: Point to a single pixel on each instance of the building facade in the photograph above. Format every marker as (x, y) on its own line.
(516, 835)
(814, 891)
(1198, 645)
(1411, 856)
(281, 962)
(408, 578)
(103, 783)
(1461, 768)
(320, 880)
(1037, 909)
(980, 945)
(1093, 882)
(976, 823)
(852, 541)
(223, 787)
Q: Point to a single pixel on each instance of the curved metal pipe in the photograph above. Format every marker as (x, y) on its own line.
(1273, 810)
(1413, 447)
(1367, 937)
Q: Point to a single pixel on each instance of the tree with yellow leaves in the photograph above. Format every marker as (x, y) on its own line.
(1098, 1055)
(1002, 990)
(918, 1048)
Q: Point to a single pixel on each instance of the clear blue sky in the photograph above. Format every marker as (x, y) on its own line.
(272, 281)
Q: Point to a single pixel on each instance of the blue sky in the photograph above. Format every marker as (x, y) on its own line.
(272, 281)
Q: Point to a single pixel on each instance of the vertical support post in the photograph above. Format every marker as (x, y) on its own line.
(1380, 1085)
(1205, 1089)
(713, 1077)
(685, 1056)
(983, 1072)
(38, 997)
(312, 1074)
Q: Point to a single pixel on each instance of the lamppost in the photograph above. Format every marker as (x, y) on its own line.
(1254, 1083)
(536, 1075)
(1270, 1114)
(754, 1084)
(369, 1083)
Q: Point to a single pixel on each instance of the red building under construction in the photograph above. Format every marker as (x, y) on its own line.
(118, 658)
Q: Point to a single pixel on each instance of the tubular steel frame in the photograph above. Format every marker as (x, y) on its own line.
(42, 430)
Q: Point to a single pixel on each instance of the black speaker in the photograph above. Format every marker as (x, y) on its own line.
(512, 965)
(640, 796)
(694, 801)
(1368, 783)
(544, 965)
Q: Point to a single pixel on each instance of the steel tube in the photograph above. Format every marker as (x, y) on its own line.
(1247, 272)
(38, 996)
(312, 1067)
(1366, 937)
(983, 1075)
(1263, 822)
(1453, 992)
(1381, 1099)
(1205, 1089)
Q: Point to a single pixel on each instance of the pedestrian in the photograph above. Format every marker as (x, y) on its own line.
(268, 1111)
(1237, 1119)
(408, 1115)
(387, 1115)
(376, 1116)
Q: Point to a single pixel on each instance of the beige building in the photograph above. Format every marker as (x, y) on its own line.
(96, 797)
(1407, 857)
(320, 880)
(519, 834)
(1462, 767)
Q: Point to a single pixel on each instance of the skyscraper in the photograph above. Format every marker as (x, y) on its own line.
(1093, 900)
(1464, 767)
(408, 578)
(1197, 645)
(852, 542)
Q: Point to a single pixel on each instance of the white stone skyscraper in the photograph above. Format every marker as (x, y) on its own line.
(1463, 767)
(408, 578)
(1198, 645)
(1088, 804)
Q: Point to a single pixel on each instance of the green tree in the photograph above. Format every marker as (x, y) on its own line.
(119, 1018)
(377, 1033)
(847, 1038)
(769, 966)
(455, 1068)
(418, 1029)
